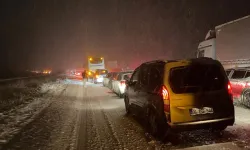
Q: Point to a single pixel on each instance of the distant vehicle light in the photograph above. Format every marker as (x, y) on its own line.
(46, 71)
(122, 83)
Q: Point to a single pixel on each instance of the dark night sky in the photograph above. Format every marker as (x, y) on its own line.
(61, 33)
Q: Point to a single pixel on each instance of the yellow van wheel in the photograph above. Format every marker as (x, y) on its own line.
(127, 106)
(156, 125)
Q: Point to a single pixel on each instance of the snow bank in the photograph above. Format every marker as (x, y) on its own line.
(222, 146)
(23, 104)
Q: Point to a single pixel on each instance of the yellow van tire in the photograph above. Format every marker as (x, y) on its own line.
(127, 106)
(156, 125)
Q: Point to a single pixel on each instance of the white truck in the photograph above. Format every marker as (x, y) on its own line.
(229, 43)
(95, 63)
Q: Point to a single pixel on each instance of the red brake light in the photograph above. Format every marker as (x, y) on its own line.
(165, 93)
(165, 96)
(122, 82)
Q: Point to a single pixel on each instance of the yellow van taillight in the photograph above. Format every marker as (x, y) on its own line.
(164, 92)
(165, 97)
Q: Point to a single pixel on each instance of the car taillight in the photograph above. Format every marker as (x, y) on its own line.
(165, 97)
(247, 84)
(122, 83)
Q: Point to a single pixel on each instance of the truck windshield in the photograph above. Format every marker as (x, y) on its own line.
(201, 53)
(101, 71)
(96, 60)
(191, 79)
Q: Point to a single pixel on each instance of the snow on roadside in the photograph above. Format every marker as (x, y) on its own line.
(223, 146)
(13, 120)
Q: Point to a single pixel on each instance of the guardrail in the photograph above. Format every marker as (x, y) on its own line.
(21, 78)
(237, 61)
(241, 63)
(25, 80)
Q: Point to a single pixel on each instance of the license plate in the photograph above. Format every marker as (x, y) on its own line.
(201, 111)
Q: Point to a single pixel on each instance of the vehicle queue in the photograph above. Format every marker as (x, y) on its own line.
(176, 95)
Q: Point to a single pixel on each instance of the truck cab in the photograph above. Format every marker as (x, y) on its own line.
(207, 48)
(228, 43)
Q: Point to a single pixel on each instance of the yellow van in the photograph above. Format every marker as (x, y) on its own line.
(181, 95)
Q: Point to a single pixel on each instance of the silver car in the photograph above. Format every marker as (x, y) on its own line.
(106, 80)
(118, 85)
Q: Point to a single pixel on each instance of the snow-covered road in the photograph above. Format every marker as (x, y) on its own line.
(92, 117)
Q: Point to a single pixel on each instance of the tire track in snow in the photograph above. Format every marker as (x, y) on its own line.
(110, 126)
(123, 129)
(83, 122)
(93, 132)
(104, 129)
(64, 137)
(125, 126)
